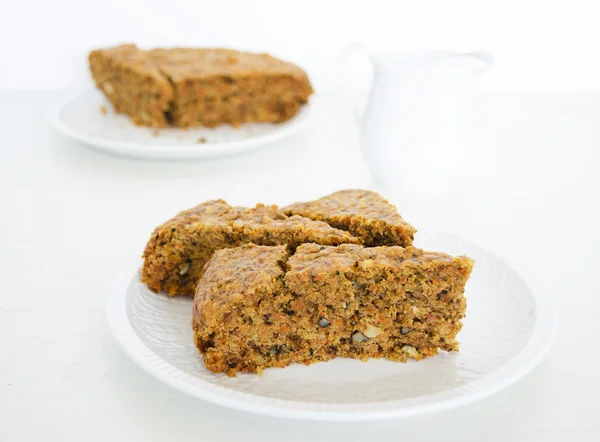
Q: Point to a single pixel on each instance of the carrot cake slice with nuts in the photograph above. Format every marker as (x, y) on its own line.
(259, 307)
(363, 213)
(177, 251)
(186, 87)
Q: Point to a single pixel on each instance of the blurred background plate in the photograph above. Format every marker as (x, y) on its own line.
(91, 119)
(510, 325)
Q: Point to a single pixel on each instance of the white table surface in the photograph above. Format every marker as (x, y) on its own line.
(73, 220)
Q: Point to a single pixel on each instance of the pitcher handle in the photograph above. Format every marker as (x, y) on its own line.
(361, 49)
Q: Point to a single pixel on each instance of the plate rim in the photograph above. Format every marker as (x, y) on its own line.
(173, 151)
(539, 343)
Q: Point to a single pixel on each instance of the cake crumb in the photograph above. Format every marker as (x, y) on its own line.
(202, 140)
(103, 110)
(155, 133)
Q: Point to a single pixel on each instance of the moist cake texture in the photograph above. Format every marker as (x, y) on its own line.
(363, 213)
(177, 251)
(188, 87)
(259, 306)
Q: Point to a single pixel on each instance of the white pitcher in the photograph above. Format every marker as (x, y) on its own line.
(416, 128)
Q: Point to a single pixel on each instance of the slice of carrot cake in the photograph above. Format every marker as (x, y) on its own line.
(186, 87)
(259, 307)
(175, 255)
(363, 213)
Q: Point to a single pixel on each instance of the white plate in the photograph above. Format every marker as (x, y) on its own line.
(508, 329)
(81, 118)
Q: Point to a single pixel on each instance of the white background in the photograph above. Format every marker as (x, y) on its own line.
(72, 220)
(539, 44)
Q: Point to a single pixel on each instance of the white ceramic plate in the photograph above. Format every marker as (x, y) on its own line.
(508, 329)
(81, 118)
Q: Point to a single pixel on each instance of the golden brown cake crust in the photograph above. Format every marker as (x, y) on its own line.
(363, 213)
(202, 87)
(201, 63)
(175, 255)
(131, 57)
(259, 307)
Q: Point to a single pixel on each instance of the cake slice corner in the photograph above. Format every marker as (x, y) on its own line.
(133, 84)
(363, 213)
